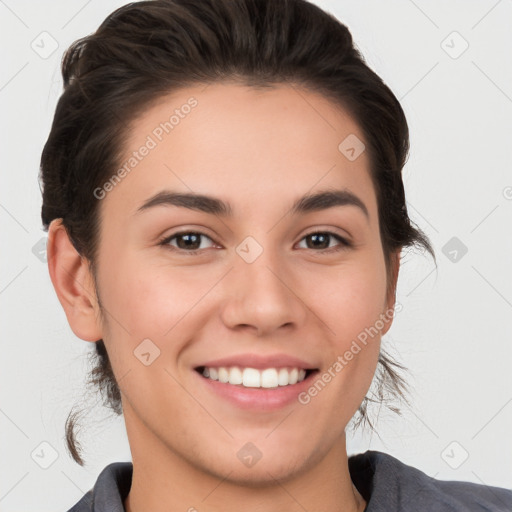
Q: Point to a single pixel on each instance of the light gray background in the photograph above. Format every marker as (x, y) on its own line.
(454, 332)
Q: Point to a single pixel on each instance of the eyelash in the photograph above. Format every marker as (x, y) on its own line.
(344, 244)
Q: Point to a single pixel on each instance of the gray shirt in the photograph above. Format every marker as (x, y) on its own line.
(386, 484)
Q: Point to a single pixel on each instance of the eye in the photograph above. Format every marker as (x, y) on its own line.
(321, 238)
(187, 241)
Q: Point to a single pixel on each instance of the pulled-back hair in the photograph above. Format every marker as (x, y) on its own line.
(145, 50)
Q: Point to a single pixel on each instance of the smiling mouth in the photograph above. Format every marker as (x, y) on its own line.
(267, 378)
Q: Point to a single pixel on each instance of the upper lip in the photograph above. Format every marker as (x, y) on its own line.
(260, 362)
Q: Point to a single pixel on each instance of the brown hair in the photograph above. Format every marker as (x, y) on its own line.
(147, 49)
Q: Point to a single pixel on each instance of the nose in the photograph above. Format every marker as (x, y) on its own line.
(263, 296)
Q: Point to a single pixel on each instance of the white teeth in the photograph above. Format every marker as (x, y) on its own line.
(223, 375)
(269, 378)
(282, 377)
(253, 378)
(235, 376)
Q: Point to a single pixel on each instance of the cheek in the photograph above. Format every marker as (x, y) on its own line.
(350, 304)
(349, 298)
(349, 308)
(149, 298)
(148, 314)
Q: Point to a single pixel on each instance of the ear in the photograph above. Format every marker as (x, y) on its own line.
(391, 295)
(73, 283)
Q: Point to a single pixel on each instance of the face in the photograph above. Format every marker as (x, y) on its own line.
(265, 283)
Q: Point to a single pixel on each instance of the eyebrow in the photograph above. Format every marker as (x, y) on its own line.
(308, 203)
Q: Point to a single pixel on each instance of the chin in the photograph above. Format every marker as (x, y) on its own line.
(263, 469)
(264, 473)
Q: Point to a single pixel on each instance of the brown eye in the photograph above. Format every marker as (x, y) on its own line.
(321, 240)
(187, 241)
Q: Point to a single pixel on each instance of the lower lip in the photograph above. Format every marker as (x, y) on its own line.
(263, 399)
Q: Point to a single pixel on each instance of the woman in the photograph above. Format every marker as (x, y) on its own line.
(223, 195)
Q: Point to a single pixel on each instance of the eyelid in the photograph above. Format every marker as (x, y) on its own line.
(331, 230)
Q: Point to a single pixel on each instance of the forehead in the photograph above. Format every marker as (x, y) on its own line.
(254, 147)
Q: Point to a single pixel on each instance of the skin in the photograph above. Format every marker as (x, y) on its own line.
(259, 150)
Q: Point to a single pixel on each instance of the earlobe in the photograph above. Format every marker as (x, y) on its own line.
(73, 283)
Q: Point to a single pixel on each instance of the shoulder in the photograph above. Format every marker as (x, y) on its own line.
(109, 491)
(386, 483)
